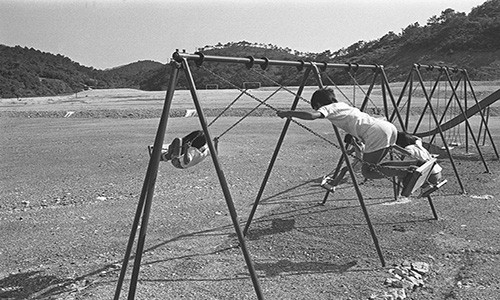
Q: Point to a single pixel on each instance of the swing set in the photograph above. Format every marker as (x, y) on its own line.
(180, 62)
(448, 109)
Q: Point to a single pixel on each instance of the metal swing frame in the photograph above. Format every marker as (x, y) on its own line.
(315, 66)
(144, 205)
(180, 61)
(463, 79)
(386, 92)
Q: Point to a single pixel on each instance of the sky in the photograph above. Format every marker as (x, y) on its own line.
(109, 33)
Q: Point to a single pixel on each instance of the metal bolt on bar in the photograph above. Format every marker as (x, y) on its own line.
(264, 62)
(440, 68)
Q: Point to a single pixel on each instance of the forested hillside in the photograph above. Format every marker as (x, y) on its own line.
(470, 41)
(453, 38)
(29, 72)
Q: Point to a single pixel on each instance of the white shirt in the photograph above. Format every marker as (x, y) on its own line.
(375, 133)
(348, 118)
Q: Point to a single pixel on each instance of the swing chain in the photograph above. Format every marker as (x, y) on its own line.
(372, 166)
(337, 87)
(248, 113)
(362, 90)
(281, 86)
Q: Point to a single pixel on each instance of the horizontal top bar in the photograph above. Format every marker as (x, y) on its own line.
(265, 62)
(438, 68)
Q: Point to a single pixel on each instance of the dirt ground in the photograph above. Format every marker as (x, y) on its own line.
(70, 187)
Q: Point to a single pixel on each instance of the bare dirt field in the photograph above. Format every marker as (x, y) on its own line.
(70, 187)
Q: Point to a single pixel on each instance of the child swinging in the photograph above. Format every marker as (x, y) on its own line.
(377, 135)
(185, 152)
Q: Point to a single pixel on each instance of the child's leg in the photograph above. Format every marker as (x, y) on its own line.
(175, 150)
(435, 178)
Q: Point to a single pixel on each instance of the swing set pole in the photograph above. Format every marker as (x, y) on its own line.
(408, 107)
(368, 93)
(481, 113)
(222, 180)
(145, 200)
(355, 182)
(276, 152)
(400, 98)
(427, 98)
(467, 124)
(416, 68)
(385, 83)
(446, 109)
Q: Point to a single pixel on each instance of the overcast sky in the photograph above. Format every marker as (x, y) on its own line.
(109, 33)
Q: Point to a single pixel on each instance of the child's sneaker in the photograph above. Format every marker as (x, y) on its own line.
(165, 152)
(326, 183)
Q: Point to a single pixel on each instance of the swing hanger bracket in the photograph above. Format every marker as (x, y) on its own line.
(175, 64)
(323, 66)
(265, 64)
(200, 60)
(352, 67)
(250, 63)
(301, 66)
(377, 68)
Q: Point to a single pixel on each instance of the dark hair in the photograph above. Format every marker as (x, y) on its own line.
(404, 139)
(196, 139)
(323, 97)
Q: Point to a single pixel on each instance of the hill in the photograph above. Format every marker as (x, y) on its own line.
(131, 74)
(453, 38)
(470, 41)
(26, 72)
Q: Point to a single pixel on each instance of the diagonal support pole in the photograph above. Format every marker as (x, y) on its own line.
(360, 197)
(440, 131)
(431, 204)
(484, 120)
(276, 152)
(467, 124)
(145, 200)
(354, 180)
(222, 180)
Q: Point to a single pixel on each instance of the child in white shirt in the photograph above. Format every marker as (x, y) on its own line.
(376, 134)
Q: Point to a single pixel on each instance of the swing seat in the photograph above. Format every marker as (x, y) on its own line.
(418, 178)
(431, 189)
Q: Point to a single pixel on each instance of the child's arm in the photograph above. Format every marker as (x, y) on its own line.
(304, 115)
